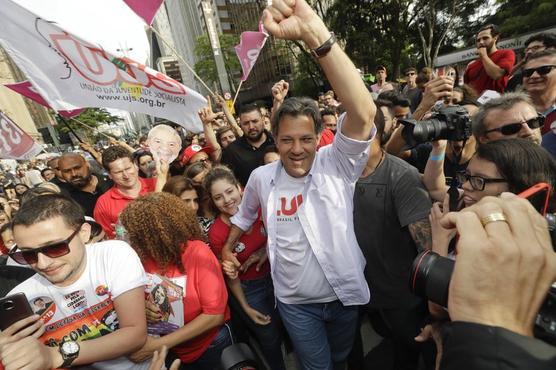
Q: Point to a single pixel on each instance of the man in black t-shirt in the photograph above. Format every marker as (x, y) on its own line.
(390, 217)
(80, 183)
(246, 153)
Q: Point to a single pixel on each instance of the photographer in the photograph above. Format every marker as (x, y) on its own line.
(502, 273)
(438, 93)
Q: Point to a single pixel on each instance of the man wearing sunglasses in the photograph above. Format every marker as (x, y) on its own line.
(539, 79)
(510, 116)
(84, 285)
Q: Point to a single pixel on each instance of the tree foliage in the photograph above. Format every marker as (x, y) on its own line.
(206, 66)
(92, 117)
(516, 17)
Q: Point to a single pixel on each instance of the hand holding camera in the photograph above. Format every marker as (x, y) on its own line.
(504, 267)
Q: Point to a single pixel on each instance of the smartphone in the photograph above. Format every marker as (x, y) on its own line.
(538, 195)
(14, 308)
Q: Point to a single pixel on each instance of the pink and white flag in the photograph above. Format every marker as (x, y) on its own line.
(26, 89)
(70, 72)
(145, 9)
(250, 45)
(14, 142)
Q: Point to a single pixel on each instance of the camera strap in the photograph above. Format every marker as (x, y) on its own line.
(453, 192)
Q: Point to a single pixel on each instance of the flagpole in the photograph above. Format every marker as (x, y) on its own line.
(181, 59)
(90, 128)
(237, 92)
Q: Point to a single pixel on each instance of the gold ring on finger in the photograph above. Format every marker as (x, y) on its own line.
(493, 217)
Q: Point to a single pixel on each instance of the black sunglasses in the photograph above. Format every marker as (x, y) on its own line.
(542, 70)
(477, 182)
(31, 256)
(514, 128)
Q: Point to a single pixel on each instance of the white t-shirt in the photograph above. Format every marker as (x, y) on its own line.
(298, 277)
(85, 310)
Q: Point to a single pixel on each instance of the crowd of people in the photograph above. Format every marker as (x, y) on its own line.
(286, 227)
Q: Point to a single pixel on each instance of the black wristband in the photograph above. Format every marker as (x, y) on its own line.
(324, 48)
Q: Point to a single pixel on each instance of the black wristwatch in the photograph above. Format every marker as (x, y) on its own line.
(324, 48)
(69, 351)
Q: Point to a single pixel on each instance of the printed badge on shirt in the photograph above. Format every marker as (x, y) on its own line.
(168, 295)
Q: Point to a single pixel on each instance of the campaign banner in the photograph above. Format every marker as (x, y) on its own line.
(250, 45)
(26, 89)
(145, 9)
(69, 72)
(14, 142)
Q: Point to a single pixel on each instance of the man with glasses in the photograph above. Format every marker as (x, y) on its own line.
(507, 117)
(84, 285)
(534, 44)
(539, 80)
(492, 70)
(411, 91)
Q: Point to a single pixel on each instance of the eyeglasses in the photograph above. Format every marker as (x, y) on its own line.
(542, 70)
(514, 128)
(55, 250)
(477, 182)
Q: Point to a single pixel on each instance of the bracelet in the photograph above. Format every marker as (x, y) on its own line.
(438, 157)
(322, 50)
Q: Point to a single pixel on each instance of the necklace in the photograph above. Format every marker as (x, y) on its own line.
(371, 171)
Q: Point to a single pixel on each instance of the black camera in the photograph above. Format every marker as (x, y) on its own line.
(430, 278)
(449, 123)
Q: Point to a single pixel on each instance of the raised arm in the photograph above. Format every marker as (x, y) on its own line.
(207, 116)
(296, 20)
(229, 116)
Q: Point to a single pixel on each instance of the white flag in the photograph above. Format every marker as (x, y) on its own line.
(70, 72)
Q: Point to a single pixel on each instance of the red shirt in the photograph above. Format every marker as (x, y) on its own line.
(250, 242)
(3, 249)
(550, 116)
(112, 203)
(205, 293)
(476, 76)
(326, 138)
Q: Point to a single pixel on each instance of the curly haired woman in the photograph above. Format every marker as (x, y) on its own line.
(166, 236)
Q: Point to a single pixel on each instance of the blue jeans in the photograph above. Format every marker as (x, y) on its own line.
(322, 333)
(259, 293)
(210, 359)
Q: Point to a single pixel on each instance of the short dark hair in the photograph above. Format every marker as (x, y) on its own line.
(114, 153)
(548, 39)
(248, 108)
(380, 120)
(222, 131)
(410, 69)
(541, 54)
(328, 111)
(49, 206)
(494, 30)
(380, 68)
(297, 106)
(44, 170)
(395, 98)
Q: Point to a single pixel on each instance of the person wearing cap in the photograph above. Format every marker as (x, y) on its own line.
(196, 153)
(381, 83)
(247, 152)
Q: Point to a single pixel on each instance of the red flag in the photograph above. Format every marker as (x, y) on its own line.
(14, 142)
(145, 9)
(250, 45)
(26, 89)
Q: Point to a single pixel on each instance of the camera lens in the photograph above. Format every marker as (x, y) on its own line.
(429, 130)
(430, 277)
